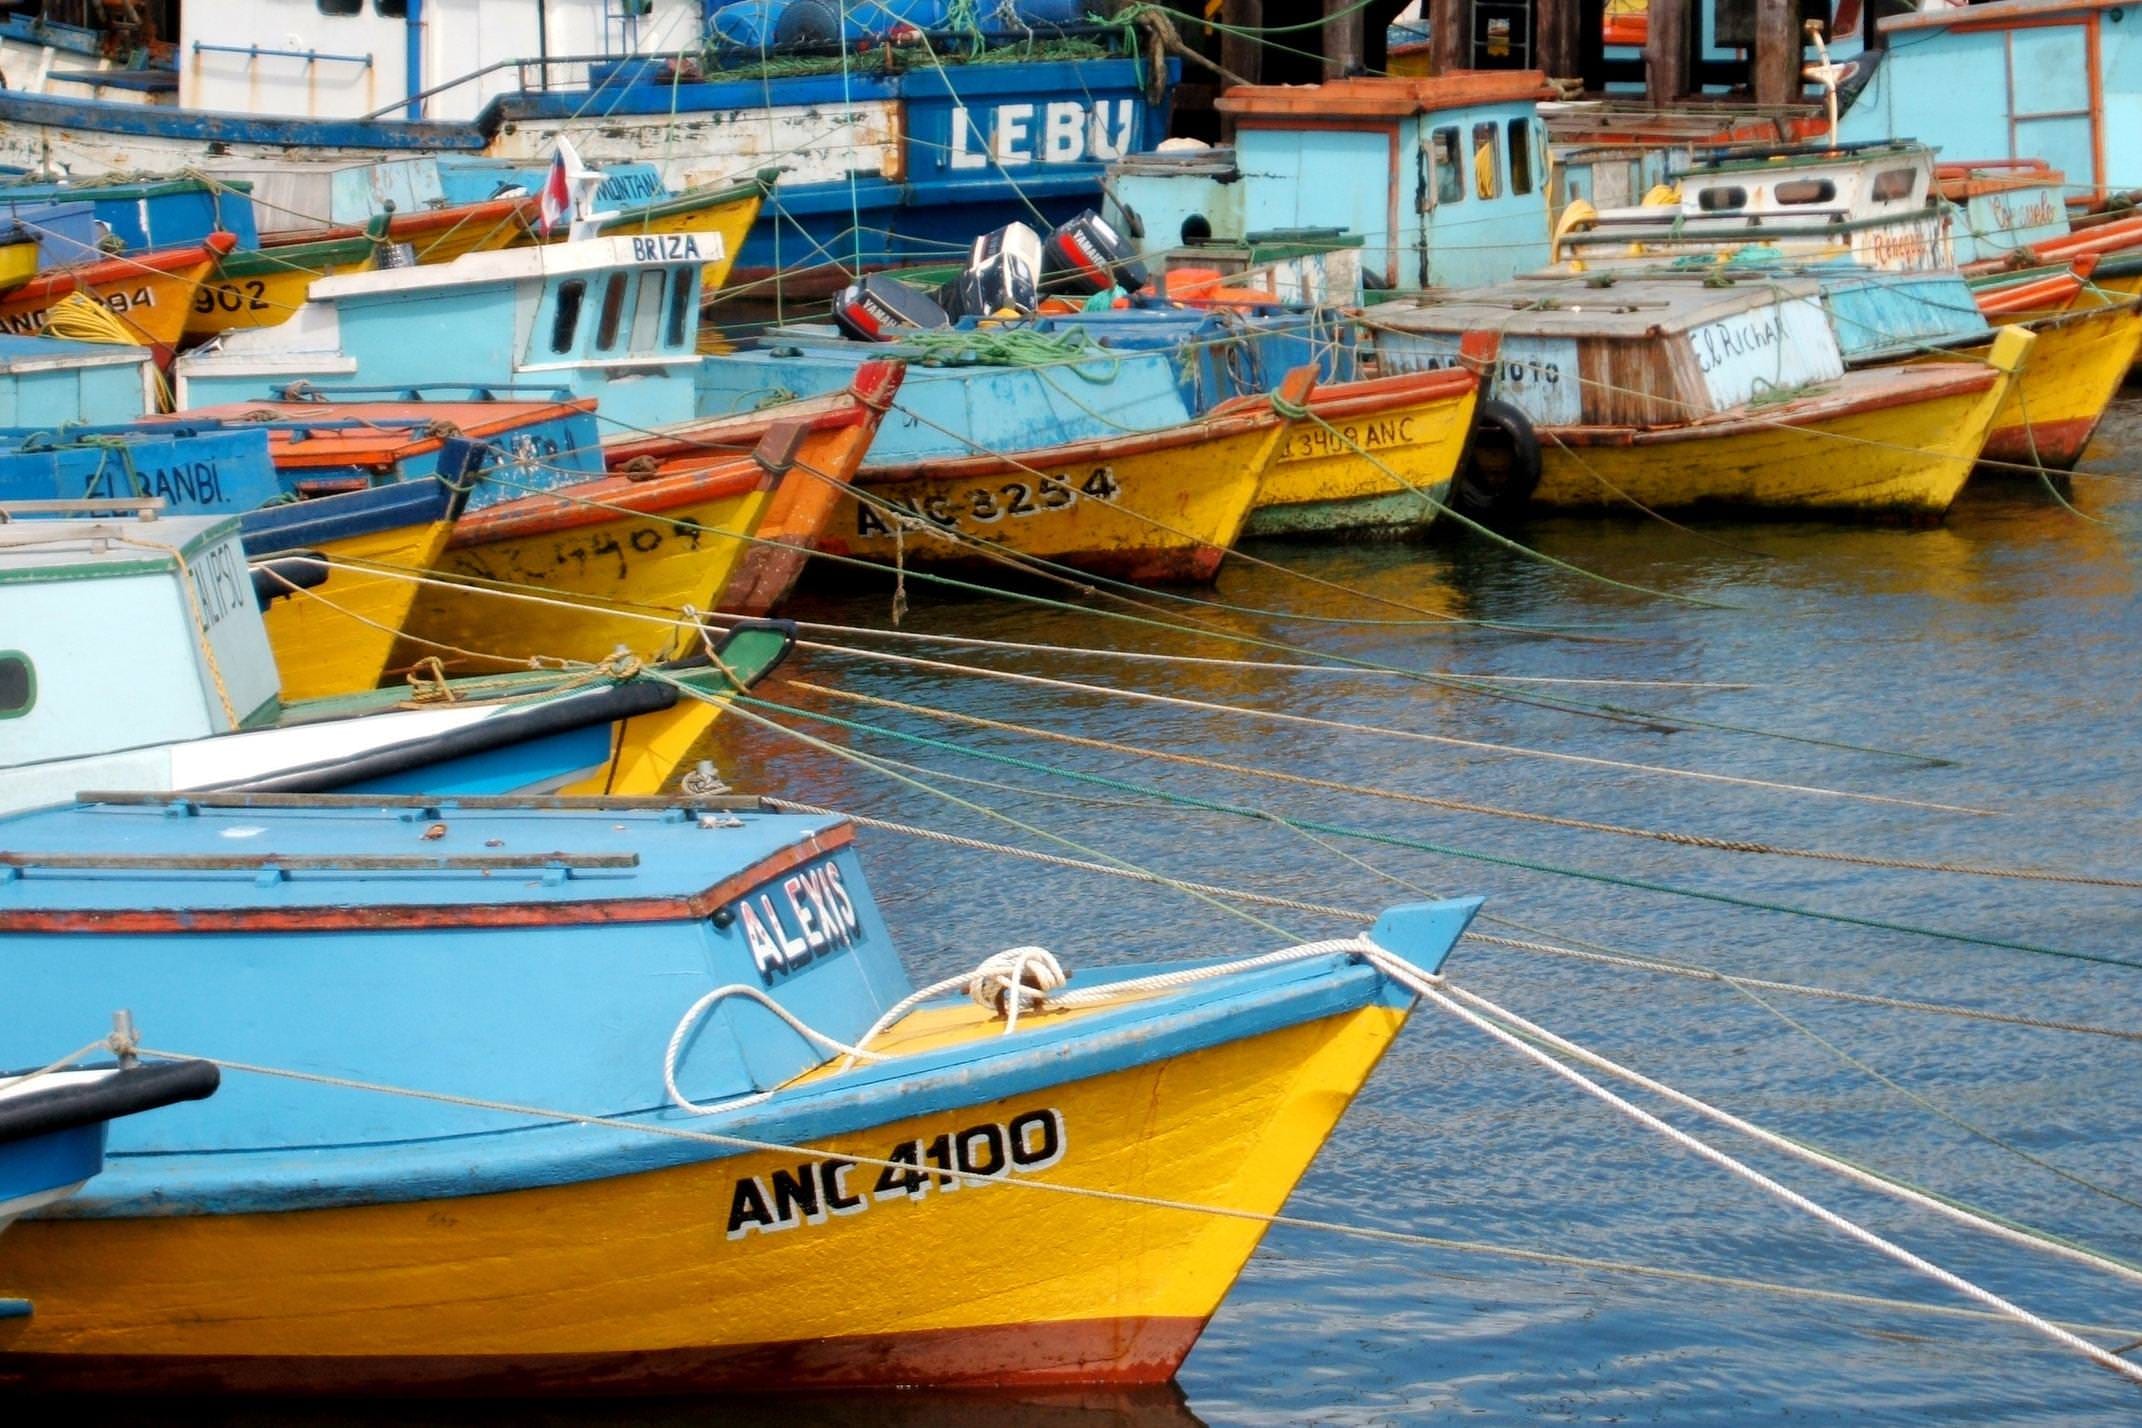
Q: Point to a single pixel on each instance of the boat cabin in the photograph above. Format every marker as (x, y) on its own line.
(1636, 352)
(51, 381)
(177, 624)
(614, 319)
(1444, 179)
(2057, 80)
(1874, 203)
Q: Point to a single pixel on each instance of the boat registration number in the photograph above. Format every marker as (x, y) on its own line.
(812, 1191)
(29, 324)
(1307, 442)
(987, 505)
(251, 295)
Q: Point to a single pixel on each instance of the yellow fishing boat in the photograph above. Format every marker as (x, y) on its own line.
(149, 295)
(2081, 357)
(1651, 393)
(582, 570)
(1153, 506)
(440, 235)
(1374, 455)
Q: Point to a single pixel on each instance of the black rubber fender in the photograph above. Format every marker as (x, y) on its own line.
(1501, 468)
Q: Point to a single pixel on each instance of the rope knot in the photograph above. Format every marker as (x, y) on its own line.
(1292, 411)
(1014, 979)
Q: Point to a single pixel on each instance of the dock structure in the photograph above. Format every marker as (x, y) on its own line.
(1756, 47)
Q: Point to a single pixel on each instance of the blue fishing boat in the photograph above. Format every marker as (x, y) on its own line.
(177, 607)
(895, 143)
(135, 214)
(639, 1099)
(614, 319)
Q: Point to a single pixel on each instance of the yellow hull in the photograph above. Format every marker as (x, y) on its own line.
(648, 751)
(1904, 453)
(339, 637)
(18, 264)
(1161, 506)
(263, 297)
(2075, 370)
(669, 1277)
(1320, 482)
(623, 578)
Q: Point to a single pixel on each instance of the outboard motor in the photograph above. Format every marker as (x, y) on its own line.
(1085, 255)
(1003, 271)
(883, 309)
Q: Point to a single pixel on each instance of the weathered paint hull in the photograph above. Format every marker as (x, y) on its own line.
(629, 1284)
(617, 562)
(1320, 482)
(2075, 370)
(1896, 442)
(1160, 507)
(600, 579)
(339, 638)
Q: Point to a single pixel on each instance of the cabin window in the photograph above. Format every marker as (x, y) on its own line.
(613, 312)
(392, 9)
(1806, 191)
(647, 310)
(681, 293)
(1487, 160)
(567, 316)
(1722, 200)
(341, 7)
(18, 684)
(1520, 156)
(1449, 168)
(1895, 183)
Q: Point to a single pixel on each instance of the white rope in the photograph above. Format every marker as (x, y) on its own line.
(1424, 987)
(690, 1020)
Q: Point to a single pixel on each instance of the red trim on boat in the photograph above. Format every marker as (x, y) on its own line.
(2057, 444)
(1112, 1352)
(331, 918)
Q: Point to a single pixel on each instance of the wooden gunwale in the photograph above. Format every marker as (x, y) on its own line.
(572, 507)
(165, 262)
(1370, 395)
(1101, 448)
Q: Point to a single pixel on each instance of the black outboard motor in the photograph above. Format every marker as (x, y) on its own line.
(1085, 255)
(883, 309)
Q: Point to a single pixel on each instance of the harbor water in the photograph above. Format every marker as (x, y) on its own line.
(2002, 643)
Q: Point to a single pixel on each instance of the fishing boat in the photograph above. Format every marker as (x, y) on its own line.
(1033, 389)
(148, 294)
(552, 1205)
(1653, 395)
(718, 522)
(897, 134)
(204, 710)
(1444, 178)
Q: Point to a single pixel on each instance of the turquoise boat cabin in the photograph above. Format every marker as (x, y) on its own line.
(1444, 180)
(55, 382)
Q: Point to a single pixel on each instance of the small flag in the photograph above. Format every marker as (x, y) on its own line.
(555, 201)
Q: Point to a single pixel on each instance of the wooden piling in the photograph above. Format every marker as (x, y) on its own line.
(1777, 51)
(1243, 54)
(1450, 34)
(1342, 37)
(1666, 55)
(1558, 27)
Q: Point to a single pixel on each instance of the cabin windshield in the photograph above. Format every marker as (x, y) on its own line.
(1449, 171)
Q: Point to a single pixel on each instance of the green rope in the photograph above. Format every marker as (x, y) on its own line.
(1446, 850)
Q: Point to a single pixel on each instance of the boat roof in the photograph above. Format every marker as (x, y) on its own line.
(1773, 158)
(1996, 15)
(1381, 96)
(542, 260)
(344, 433)
(75, 548)
(30, 354)
(278, 859)
(1585, 306)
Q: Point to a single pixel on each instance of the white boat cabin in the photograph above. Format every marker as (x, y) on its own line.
(178, 629)
(1638, 352)
(1876, 203)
